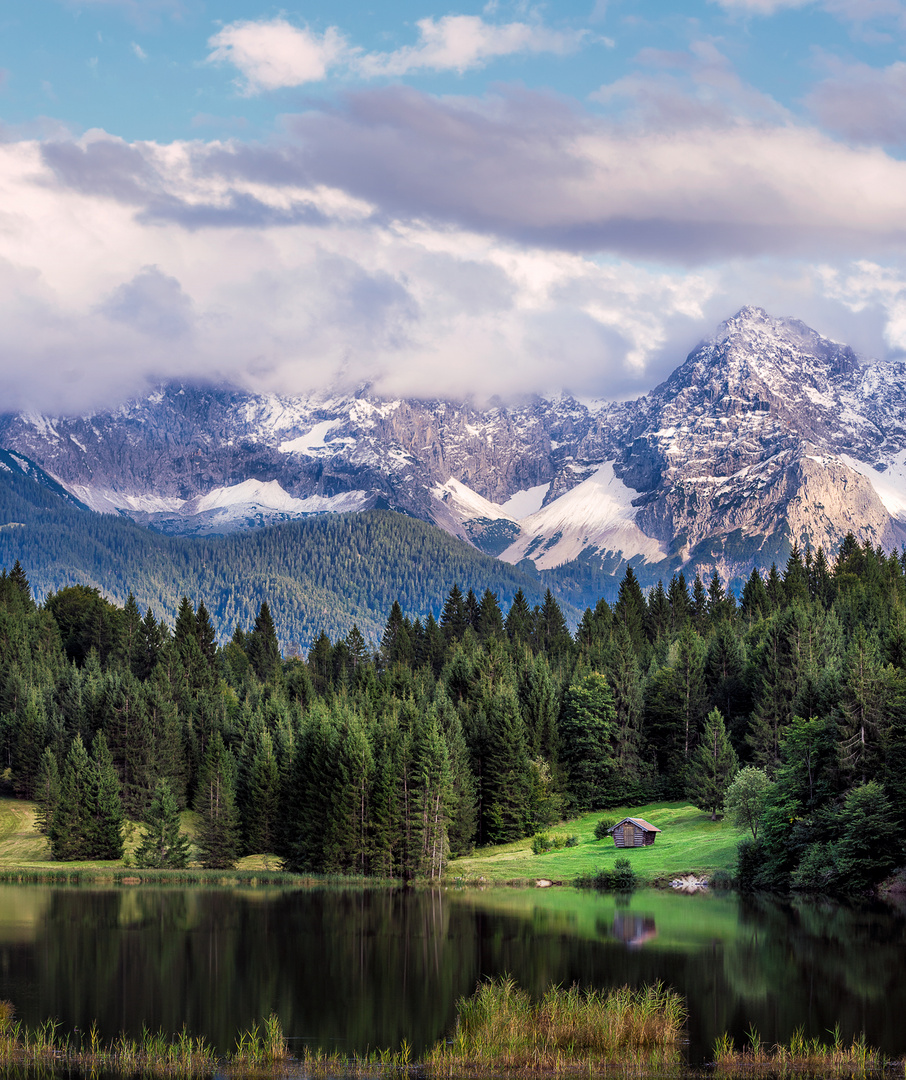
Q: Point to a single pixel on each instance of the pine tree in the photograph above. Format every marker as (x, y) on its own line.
(552, 635)
(69, 829)
(658, 616)
(105, 806)
(630, 609)
(588, 730)
(490, 617)
(713, 766)
(215, 802)
(432, 783)
(207, 636)
(680, 605)
(47, 790)
(519, 622)
(129, 637)
(262, 803)
(454, 619)
(262, 646)
(506, 778)
(163, 846)
(755, 603)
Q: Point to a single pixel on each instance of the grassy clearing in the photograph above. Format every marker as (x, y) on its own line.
(501, 1029)
(801, 1055)
(25, 859)
(690, 843)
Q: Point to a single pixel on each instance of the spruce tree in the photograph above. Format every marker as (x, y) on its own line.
(713, 766)
(47, 790)
(587, 731)
(106, 808)
(519, 622)
(432, 791)
(215, 803)
(630, 610)
(454, 619)
(262, 646)
(69, 830)
(163, 846)
(506, 780)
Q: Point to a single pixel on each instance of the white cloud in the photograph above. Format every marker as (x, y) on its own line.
(862, 103)
(459, 42)
(139, 51)
(273, 55)
(99, 300)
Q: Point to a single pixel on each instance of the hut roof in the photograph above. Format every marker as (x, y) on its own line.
(641, 822)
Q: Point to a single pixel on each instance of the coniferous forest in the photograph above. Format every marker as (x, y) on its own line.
(475, 727)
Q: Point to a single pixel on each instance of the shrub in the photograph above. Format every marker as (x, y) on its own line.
(721, 880)
(603, 827)
(541, 842)
(622, 878)
(623, 875)
(749, 857)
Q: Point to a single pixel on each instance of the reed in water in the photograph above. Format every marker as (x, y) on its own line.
(500, 1028)
(800, 1055)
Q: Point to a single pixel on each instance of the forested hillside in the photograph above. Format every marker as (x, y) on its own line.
(321, 574)
(483, 726)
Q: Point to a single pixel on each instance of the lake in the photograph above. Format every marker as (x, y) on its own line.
(352, 970)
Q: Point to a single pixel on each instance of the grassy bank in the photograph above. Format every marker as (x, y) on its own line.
(689, 843)
(25, 859)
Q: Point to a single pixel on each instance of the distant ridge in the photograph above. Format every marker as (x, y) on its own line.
(767, 434)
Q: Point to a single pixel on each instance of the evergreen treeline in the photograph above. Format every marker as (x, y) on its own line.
(323, 573)
(479, 726)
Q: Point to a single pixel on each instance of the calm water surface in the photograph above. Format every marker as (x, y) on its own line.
(353, 970)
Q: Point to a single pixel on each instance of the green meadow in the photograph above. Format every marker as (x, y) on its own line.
(689, 843)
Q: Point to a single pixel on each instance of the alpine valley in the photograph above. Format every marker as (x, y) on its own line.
(767, 435)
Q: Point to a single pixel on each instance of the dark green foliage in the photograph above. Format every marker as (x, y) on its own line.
(163, 845)
(47, 790)
(262, 647)
(88, 820)
(713, 766)
(603, 827)
(588, 732)
(482, 729)
(215, 803)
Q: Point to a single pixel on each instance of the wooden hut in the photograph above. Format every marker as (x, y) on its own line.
(634, 832)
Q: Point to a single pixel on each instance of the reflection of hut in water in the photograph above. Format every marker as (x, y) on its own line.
(634, 832)
(633, 929)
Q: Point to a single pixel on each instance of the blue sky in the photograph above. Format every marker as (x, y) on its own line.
(481, 199)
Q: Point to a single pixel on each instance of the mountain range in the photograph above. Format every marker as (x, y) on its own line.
(767, 434)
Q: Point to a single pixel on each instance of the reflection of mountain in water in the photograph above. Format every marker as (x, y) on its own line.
(630, 928)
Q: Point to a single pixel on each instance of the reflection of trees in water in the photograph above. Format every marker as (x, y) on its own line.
(353, 969)
(828, 962)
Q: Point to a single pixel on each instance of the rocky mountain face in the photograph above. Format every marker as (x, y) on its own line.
(767, 434)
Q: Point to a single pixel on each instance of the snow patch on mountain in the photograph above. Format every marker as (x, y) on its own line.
(890, 484)
(107, 501)
(598, 512)
(269, 495)
(465, 504)
(312, 442)
(521, 504)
